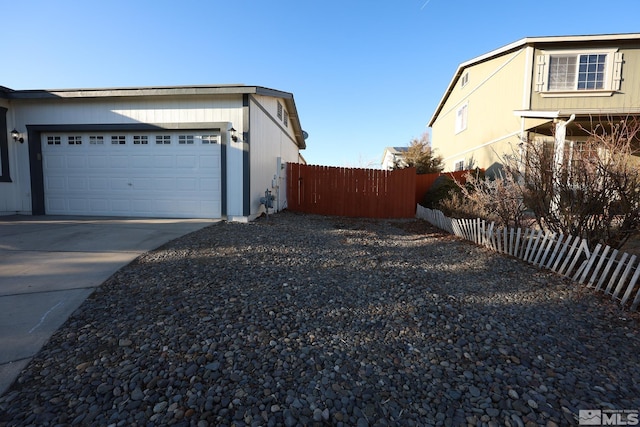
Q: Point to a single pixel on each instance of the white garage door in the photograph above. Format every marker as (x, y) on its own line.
(140, 174)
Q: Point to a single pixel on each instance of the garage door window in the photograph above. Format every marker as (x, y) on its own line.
(74, 140)
(209, 139)
(118, 139)
(96, 140)
(140, 140)
(53, 140)
(163, 139)
(186, 139)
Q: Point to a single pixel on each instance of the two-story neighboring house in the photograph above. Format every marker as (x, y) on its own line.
(526, 90)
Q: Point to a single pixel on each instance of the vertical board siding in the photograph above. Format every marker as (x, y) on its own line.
(351, 192)
(603, 269)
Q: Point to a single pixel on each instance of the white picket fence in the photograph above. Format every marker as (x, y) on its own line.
(612, 272)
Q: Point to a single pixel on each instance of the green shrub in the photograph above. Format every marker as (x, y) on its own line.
(440, 190)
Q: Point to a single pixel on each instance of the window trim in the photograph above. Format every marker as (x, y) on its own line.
(464, 80)
(612, 78)
(456, 163)
(461, 125)
(5, 175)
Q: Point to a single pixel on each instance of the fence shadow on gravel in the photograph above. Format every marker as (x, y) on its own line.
(604, 269)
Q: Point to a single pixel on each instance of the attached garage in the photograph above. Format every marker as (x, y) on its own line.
(160, 152)
(138, 174)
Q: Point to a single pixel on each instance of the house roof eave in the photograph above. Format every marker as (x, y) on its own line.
(159, 91)
(517, 45)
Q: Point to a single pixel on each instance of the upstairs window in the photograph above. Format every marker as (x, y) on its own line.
(579, 72)
(461, 117)
(279, 111)
(464, 79)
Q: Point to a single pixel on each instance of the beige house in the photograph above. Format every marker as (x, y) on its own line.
(527, 89)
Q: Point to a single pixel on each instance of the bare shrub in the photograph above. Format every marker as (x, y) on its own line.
(498, 200)
(591, 190)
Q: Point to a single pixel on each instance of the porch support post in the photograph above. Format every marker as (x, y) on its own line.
(558, 159)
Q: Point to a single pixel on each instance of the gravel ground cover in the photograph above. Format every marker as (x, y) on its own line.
(307, 320)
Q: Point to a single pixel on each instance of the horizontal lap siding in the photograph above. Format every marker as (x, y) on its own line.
(367, 193)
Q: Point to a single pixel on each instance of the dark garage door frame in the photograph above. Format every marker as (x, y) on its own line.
(34, 133)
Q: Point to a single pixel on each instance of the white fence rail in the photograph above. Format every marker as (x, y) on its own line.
(604, 269)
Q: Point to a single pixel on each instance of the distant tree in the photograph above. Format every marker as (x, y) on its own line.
(420, 155)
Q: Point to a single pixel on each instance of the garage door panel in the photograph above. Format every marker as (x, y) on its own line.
(98, 162)
(118, 161)
(54, 161)
(209, 162)
(55, 183)
(154, 184)
(120, 184)
(99, 205)
(168, 180)
(76, 162)
(98, 183)
(56, 205)
(139, 161)
(121, 206)
(77, 183)
(187, 184)
(163, 161)
(77, 204)
(189, 162)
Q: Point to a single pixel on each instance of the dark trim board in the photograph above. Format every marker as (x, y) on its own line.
(4, 147)
(34, 133)
(246, 157)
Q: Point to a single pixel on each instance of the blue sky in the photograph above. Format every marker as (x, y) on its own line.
(364, 74)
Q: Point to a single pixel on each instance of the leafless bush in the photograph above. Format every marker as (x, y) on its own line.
(498, 200)
(591, 189)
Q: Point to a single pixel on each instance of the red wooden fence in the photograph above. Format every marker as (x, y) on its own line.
(366, 193)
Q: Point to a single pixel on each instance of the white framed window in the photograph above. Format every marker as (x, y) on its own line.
(74, 140)
(118, 139)
(279, 110)
(140, 139)
(596, 72)
(96, 140)
(186, 139)
(285, 119)
(461, 117)
(53, 140)
(163, 139)
(458, 165)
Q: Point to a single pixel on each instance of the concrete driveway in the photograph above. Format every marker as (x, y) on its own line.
(50, 264)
